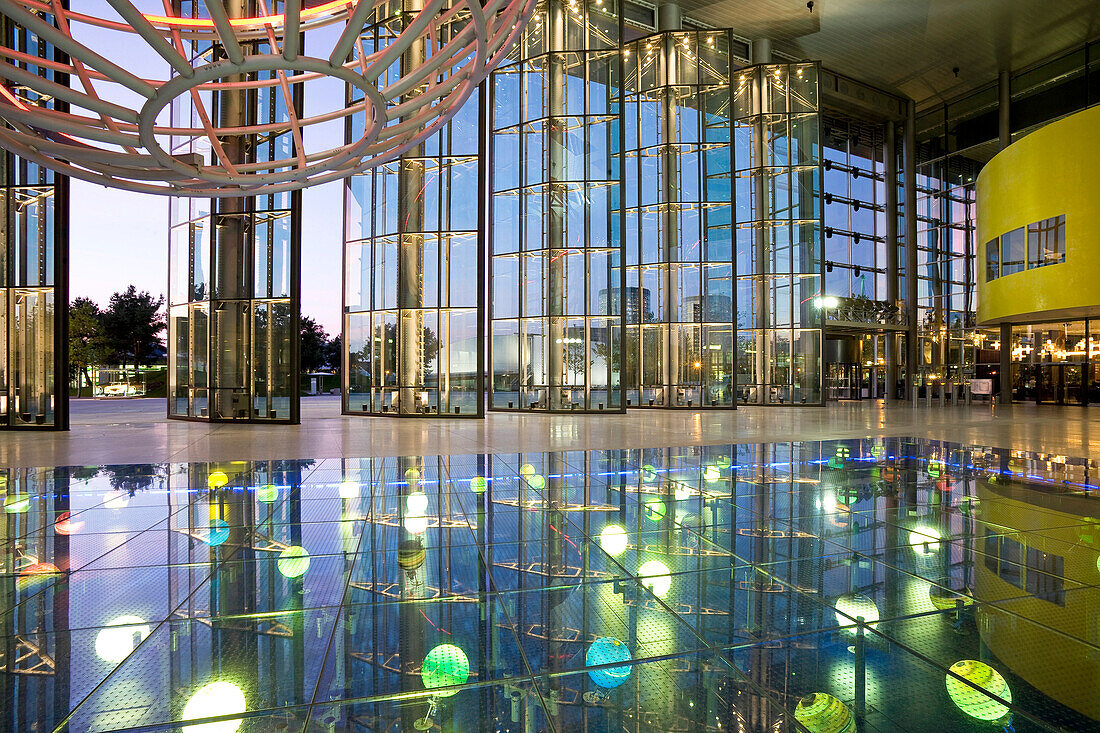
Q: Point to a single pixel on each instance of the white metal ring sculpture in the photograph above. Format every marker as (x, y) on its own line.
(102, 140)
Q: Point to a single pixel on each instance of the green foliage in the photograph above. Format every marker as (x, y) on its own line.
(314, 345)
(131, 326)
(87, 346)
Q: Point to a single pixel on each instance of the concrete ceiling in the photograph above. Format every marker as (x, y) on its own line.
(912, 46)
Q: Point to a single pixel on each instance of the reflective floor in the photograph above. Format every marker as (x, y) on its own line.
(879, 585)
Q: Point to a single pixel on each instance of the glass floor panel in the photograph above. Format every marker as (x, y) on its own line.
(829, 587)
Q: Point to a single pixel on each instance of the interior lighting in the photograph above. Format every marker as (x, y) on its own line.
(851, 606)
(654, 509)
(478, 484)
(218, 533)
(820, 712)
(649, 473)
(267, 493)
(293, 562)
(349, 489)
(526, 470)
(613, 540)
(826, 302)
(711, 474)
(214, 700)
(120, 637)
(416, 504)
(445, 666)
(412, 476)
(608, 650)
(975, 702)
(216, 480)
(17, 503)
(65, 524)
(656, 578)
(924, 540)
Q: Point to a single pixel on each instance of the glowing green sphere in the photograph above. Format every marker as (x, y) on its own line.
(267, 493)
(723, 462)
(853, 605)
(17, 503)
(120, 637)
(655, 577)
(478, 484)
(294, 561)
(445, 666)
(975, 702)
(924, 540)
(214, 700)
(649, 473)
(412, 475)
(613, 540)
(538, 481)
(654, 509)
(823, 713)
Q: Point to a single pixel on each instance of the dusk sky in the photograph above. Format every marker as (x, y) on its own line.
(118, 238)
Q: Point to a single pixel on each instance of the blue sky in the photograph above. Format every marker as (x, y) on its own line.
(118, 238)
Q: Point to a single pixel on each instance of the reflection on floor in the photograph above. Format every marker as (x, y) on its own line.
(890, 585)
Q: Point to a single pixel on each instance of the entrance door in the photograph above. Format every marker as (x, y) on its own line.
(1059, 384)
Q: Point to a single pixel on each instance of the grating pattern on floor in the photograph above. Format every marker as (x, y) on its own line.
(897, 584)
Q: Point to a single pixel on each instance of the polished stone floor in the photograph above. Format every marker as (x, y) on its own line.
(136, 431)
(874, 584)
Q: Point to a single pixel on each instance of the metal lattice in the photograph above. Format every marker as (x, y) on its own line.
(100, 136)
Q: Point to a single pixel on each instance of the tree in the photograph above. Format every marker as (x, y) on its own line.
(86, 342)
(132, 324)
(333, 353)
(314, 342)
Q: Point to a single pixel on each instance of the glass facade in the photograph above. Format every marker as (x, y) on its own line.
(777, 205)
(234, 264)
(556, 238)
(413, 264)
(679, 298)
(33, 268)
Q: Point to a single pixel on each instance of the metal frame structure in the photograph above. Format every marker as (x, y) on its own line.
(123, 146)
(414, 262)
(34, 261)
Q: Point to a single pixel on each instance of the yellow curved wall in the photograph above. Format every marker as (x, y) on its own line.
(1054, 170)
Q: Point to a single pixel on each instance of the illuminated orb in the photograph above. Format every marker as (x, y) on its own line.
(649, 473)
(843, 452)
(723, 462)
(711, 474)
(654, 509)
(416, 524)
(211, 701)
(115, 132)
(823, 713)
(410, 555)
(538, 481)
(877, 451)
(855, 605)
(445, 666)
(17, 503)
(217, 480)
(526, 470)
(294, 561)
(975, 702)
(682, 492)
(416, 503)
(935, 469)
(116, 499)
(65, 524)
(924, 540)
(267, 493)
(655, 577)
(35, 574)
(608, 650)
(412, 475)
(478, 484)
(120, 637)
(218, 534)
(847, 495)
(613, 540)
(349, 489)
(945, 600)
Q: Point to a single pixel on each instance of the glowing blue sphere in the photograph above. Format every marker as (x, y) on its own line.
(608, 650)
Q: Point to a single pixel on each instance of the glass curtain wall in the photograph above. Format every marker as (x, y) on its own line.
(234, 264)
(556, 242)
(33, 268)
(777, 202)
(679, 293)
(413, 263)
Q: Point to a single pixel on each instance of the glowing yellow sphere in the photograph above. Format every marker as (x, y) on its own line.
(654, 509)
(478, 484)
(349, 489)
(217, 480)
(924, 540)
(613, 540)
(412, 475)
(853, 605)
(538, 481)
(655, 577)
(526, 470)
(294, 561)
(17, 503)
(823, 713)
(214, 700)
(121, 636)
(975, 702)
